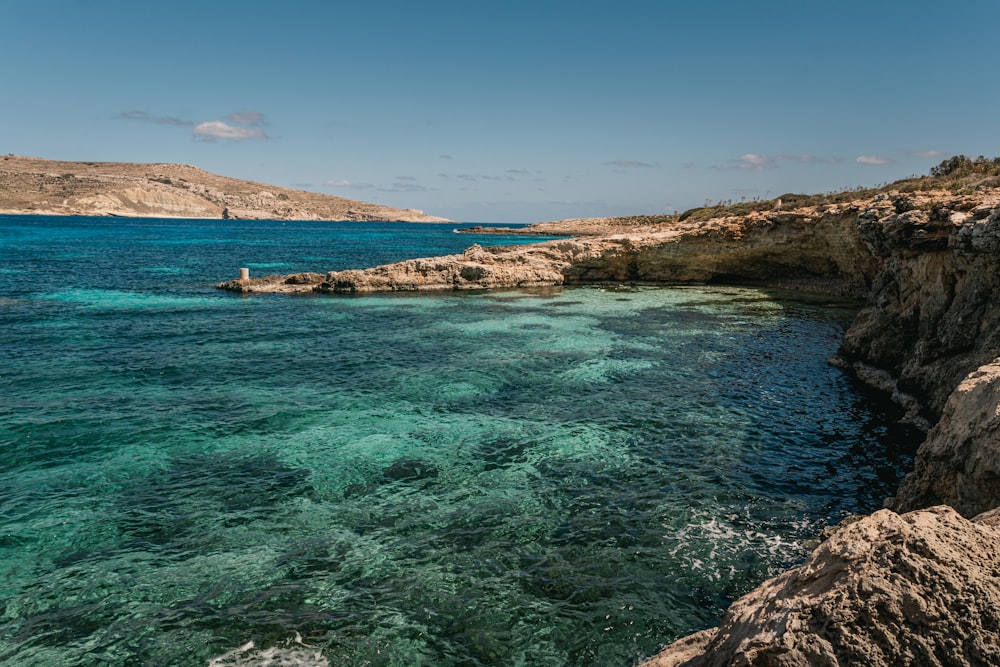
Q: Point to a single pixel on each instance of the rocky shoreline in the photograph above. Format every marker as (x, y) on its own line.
(917, 583)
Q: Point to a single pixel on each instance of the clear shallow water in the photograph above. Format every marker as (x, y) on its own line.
(547, 477)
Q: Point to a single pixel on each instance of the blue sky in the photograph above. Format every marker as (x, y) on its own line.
(509, 111)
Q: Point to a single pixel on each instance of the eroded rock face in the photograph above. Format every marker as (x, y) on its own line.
(915, 589)
(817, 250)
(959, 463)
(933, 313)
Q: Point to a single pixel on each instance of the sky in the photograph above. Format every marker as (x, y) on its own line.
(513, 111)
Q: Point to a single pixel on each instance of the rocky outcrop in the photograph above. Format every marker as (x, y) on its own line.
(815, 249)
(33, 186)
(933, 312)
(476, 268)
(921, 588)
(959, 463)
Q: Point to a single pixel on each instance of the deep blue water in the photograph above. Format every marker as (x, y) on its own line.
(542, 477)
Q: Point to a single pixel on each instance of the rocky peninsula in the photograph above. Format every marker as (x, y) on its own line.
(34, 186)
(918, 582)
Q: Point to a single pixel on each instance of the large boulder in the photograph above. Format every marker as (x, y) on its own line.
(921, 588)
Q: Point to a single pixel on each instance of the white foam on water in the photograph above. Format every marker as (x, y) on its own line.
(295, 653)
(173, 270)
(712, 543)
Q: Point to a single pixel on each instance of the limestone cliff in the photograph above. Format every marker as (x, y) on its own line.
(34, 186)
(934, 306)
(815, 248)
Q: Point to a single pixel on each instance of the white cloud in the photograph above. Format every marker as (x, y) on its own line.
(928, 154)
(750, 162)
(758, 162)
(217, 129)
(808, 158)
(872, 160)
(343, 183)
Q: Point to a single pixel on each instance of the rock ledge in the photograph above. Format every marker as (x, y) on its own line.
(915, 589)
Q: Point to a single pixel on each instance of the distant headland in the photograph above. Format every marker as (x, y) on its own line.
(35, 186)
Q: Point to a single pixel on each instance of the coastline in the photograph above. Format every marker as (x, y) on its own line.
(926, 262)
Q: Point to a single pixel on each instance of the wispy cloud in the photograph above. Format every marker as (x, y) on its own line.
(873, 160)
(237, 126)
(474, 178)
(343, 183)
(749, 162)
(808, 158)
(406, 187)
(927, 154)
(759, 162)
(630, 164)
(405, 184)
(146, 117)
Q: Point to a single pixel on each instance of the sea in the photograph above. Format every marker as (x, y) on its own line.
(560, 476)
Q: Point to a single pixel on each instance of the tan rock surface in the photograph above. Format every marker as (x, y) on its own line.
(921, 588)
(34, 186)
(933, 313)
(813, 249)
(959, 463)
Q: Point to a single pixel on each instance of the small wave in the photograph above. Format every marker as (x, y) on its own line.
(165, 269)
(295, 653)
(719, 545)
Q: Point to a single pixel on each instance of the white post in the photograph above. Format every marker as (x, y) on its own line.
(244, 274)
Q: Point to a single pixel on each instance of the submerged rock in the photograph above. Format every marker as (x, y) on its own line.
(915, 589)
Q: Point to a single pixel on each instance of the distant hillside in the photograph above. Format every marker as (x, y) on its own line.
(48, 187)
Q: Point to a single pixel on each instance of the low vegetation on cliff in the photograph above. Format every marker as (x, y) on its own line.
(958, 175)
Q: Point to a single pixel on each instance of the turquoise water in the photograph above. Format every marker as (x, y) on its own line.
(543, 477)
